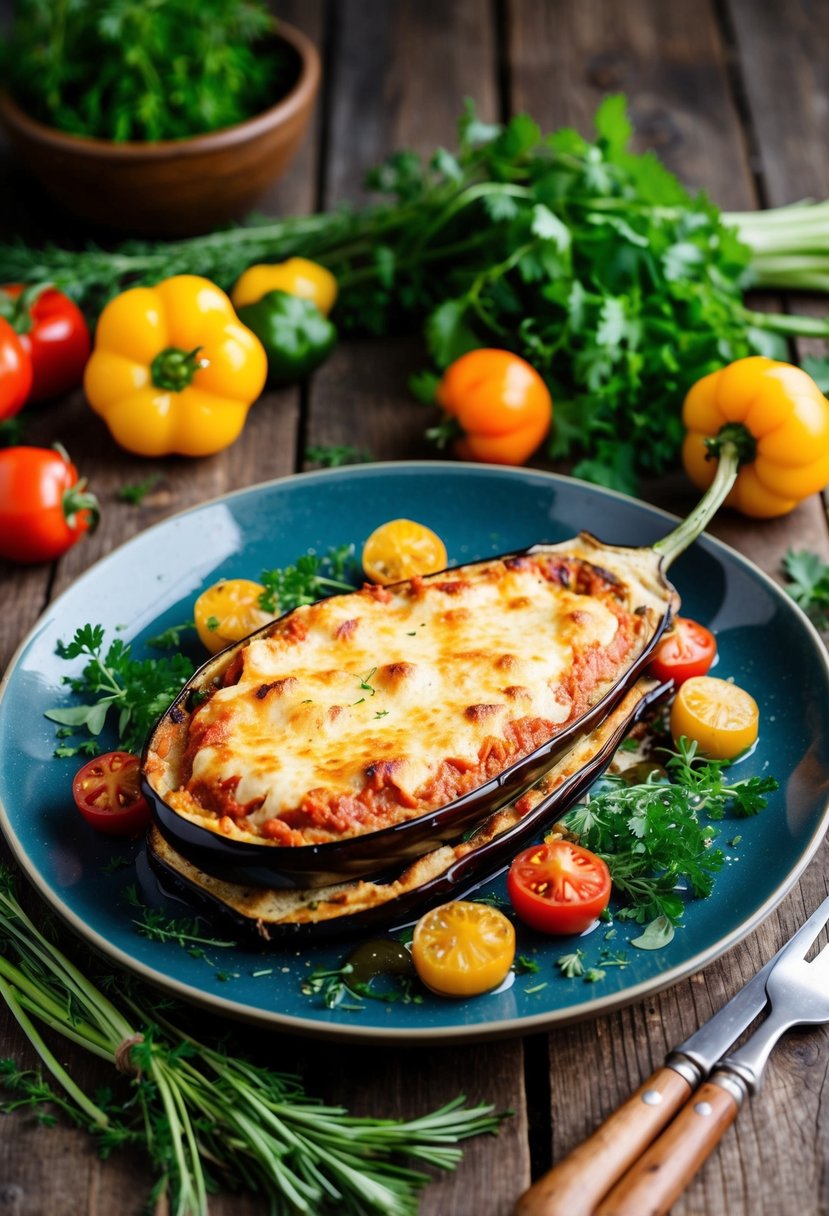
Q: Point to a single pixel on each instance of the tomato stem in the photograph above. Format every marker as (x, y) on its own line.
(77, 499)
(174, 368)
(685, 533)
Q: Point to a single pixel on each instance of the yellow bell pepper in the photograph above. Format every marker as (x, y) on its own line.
(173, 369)
(297, 277)
(775, 418)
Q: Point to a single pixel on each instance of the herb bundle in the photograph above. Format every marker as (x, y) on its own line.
(205, 1117)
(593, 263)
(657, 834)
(129, 70)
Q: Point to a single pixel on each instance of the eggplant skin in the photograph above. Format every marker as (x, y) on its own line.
(273, 916)
(223, 845)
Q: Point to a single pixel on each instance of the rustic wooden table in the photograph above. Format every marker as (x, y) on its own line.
(734, 95)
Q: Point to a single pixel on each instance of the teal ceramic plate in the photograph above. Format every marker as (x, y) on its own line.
(765, 643)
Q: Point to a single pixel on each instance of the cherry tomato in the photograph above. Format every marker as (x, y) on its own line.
(402, 549)
(500, 404)
(228, 611)
(108, 795)
(15, 372)
(687, 650)
(44, 508)
(463, 948)
(719, 717)
(558, 887)
(52, 332)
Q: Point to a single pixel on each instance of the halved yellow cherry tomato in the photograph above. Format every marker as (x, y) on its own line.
(721, 718)
(296, 276)
(463, 948)
(228, 611)
(402, 549)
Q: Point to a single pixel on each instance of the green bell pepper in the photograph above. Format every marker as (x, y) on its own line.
(296, 336)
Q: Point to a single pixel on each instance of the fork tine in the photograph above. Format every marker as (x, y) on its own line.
(808, 931)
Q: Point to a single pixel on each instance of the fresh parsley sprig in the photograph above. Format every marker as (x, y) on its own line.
(136, 690)
(656, 836)
(310, 578)
(808, 583)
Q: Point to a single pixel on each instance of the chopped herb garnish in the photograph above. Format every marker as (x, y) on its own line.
(309, 579)
(334, 456)
(652, 837)
(525, 966)
(571, 965)
(170, 639)
(382, 713)
(335, 986)
(212, 623)
(593, 975)
(137, 689)
(137, 492)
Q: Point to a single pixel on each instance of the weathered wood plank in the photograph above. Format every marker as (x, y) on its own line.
(670, 60)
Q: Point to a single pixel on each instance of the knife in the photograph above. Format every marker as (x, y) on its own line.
(576, 1185)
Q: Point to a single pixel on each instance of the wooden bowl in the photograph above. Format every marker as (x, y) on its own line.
(172, 187)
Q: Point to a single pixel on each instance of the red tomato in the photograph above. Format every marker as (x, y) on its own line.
(15, 372)
(44, 508)
(53, 333)
(688, 650)
(558, 887)
(107, 794)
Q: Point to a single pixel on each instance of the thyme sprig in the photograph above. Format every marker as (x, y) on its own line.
(205, 1117)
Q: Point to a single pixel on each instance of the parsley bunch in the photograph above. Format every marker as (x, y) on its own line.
(138, 690)
(654, 838)
(593, 263)
(132, 70)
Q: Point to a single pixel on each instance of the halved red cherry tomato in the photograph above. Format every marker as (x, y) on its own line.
(108, 795)
(687, 650)
(558, 887)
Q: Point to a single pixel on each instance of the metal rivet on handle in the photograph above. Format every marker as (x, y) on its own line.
(704, 1108)
(652, 1096)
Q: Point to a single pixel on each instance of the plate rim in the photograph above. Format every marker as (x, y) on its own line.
(503, 1028)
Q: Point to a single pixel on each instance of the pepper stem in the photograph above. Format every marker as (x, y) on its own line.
(684, 534)
(173, 368)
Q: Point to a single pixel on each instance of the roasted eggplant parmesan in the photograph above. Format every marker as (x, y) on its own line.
(368, 727)
(449, 871)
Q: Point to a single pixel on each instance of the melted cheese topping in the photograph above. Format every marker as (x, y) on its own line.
(406, 682)
(385, 690)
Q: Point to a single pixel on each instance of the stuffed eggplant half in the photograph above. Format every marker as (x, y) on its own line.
(449, 871)
(358, 733)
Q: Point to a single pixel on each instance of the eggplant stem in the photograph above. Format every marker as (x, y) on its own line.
(685, 533)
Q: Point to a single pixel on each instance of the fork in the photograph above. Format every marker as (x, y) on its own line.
(799, 995)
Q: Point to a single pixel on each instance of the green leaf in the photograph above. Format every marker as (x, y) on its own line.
(656, 935)
(549, 227)
(613, 126)
(447, 333)
(423, 386)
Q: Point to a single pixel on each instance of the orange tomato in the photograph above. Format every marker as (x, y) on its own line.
(719, 716)
(500, 403)
(402, 549)
(463, 948)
